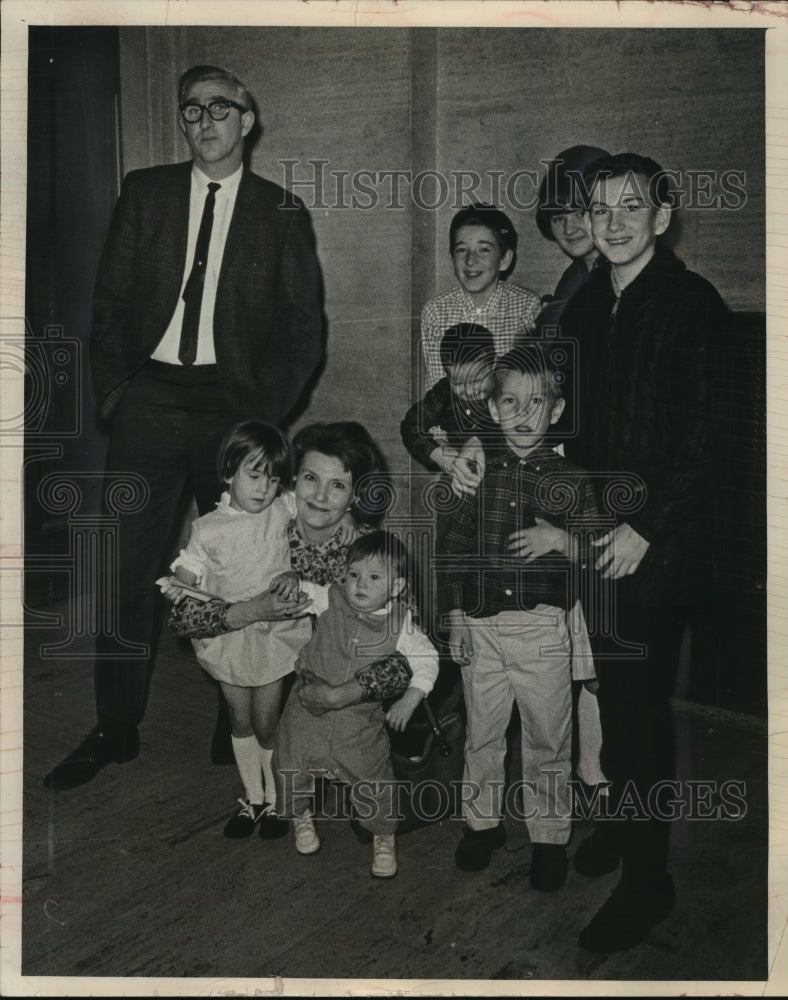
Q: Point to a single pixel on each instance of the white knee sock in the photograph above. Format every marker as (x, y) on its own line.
(247, 757)
(268, 775)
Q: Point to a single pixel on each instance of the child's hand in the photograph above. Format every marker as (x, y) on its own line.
(622, 551)
(468, 468)
(398, 716)
(444, 456)
(592, 686)
(530, 543)
(286, 586)
(170, 590)
(460, 642)
(186, 576)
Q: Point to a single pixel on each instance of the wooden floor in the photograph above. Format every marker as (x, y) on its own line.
(130, 876)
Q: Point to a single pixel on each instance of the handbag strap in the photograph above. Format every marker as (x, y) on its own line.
(443, 747)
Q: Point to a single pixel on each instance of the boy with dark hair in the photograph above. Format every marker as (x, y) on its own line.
(455, 408)
(482, 244)
(510, 555)
(646, 329)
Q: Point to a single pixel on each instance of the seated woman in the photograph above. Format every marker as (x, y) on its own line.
(335, 465)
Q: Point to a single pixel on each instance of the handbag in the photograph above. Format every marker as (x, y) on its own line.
(430, 778)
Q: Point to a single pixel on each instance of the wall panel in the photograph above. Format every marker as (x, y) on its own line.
(494, 100)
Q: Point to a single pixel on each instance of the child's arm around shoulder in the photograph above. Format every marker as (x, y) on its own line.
(420, 424)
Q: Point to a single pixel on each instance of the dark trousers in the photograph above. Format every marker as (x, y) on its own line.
(637, 733)
(167, 429)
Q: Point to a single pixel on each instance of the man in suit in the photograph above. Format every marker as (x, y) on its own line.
(206, 311)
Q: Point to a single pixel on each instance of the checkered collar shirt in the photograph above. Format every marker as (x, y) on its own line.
(509, 313)
(476, 574)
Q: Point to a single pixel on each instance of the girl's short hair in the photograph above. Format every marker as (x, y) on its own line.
(492, 218)
(562, 189)
(466, 342)
(249, 438)
(382, 545)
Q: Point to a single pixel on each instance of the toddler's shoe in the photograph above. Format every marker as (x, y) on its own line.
(475, 849)
(548, 867)
(384, 858)
(306, 838)
(272, 827)
(245, 820)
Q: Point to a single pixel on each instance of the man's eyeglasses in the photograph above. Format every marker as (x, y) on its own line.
(218, 110)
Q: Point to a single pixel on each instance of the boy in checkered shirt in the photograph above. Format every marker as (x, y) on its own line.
(483, 248)
(509, 565)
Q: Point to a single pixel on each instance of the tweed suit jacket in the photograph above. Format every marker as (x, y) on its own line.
(267, 320)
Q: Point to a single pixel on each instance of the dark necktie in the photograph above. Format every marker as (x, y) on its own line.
(192, 293)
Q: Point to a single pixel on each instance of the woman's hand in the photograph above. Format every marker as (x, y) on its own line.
(285, 585)
(266, 607)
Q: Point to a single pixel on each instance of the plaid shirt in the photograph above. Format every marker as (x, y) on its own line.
(485, 580)
(509, 313)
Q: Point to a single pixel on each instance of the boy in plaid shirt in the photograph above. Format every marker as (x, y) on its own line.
(508, 575)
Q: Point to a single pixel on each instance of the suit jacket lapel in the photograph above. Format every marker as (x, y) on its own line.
(172, 208)
(242, 213)
(181, 195)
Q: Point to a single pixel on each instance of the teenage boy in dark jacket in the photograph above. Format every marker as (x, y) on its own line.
(646, 329)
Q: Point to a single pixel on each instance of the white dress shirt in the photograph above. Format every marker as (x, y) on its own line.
(168, 346)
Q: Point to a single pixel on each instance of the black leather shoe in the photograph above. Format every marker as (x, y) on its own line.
(548, 867)
(272, 827)
(599, 853)
(630, 913)
(102, 746)
(475, 849)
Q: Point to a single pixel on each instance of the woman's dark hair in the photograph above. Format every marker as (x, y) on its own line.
(562, 188)
(352, 444)
(253, 436)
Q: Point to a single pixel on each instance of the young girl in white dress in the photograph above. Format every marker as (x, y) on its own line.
(234, 553)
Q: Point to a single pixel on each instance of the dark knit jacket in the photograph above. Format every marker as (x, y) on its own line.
(645, 411)
(443, 408)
